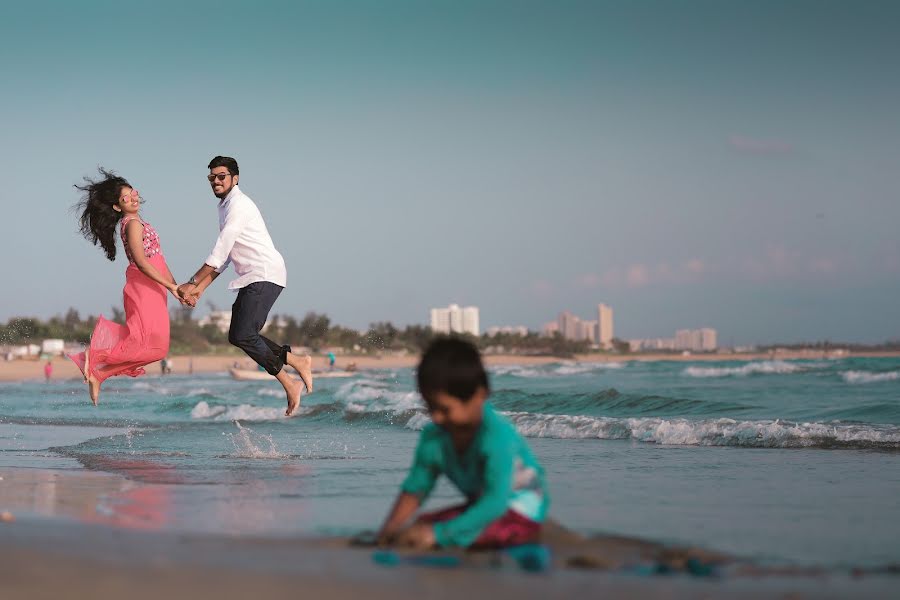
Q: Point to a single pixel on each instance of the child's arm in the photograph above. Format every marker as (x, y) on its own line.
(405, 506)
(415, 488)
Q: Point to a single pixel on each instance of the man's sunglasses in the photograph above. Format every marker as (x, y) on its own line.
(220, 176)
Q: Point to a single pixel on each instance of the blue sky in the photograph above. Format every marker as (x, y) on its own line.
(724, 164)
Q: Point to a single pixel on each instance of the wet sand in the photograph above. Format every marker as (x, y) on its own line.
(59, 544)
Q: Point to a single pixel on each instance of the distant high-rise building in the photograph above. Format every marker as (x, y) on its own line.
(569, 325)
(683, 339)
(454, 319)
(605, 332)
(587, 330)
(698, 340)
(550, 329)
(708, 341)
(470, 321)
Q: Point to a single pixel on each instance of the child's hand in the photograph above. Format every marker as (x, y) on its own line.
(419, 536)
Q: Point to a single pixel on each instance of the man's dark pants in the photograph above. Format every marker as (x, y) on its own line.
(248, 316)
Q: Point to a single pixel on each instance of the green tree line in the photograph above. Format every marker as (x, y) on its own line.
(313, 330)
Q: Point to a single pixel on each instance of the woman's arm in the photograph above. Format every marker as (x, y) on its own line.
(134, 237)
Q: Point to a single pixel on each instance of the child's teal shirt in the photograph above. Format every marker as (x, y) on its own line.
(497, 472)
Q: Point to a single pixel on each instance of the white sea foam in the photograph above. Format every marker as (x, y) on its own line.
(517, 371)
(581, 368)
(869, 377)
(418, 421)
(709, 432)
(248, 444)
(199, 392)
(566, 369)
(244, 412)
(367, 395)
(768, 367)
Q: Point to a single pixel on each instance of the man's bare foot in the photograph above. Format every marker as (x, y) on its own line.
(303, 366)
(93, 389)
(294, 391)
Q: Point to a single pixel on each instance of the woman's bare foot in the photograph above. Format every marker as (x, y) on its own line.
(303, 366)
(93, 388)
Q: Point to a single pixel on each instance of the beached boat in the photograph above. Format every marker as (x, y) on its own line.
(255, 375)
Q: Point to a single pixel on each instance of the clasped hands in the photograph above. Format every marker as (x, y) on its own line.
(188, 294)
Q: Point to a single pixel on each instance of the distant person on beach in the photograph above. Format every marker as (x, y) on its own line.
(479, 451)
(331, 361)
(245, 241)
(48, 370)
(108, 204)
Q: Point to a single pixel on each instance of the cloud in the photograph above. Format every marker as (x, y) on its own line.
(759, 146)
(638, 275)
(822, 266)
(777, 261)
(542, 288)
(589, 281)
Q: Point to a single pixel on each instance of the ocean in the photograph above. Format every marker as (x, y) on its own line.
(777, 461)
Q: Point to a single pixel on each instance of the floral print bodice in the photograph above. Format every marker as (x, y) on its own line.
(150, 239)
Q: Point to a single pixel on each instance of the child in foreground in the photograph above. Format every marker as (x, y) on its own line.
(479, 451)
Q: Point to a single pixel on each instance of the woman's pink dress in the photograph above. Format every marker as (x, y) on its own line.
(125, 349)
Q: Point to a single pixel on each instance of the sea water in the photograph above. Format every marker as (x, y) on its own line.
(782, 461)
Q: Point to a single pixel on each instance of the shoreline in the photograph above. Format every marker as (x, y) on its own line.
(65, 545)
(63, 368)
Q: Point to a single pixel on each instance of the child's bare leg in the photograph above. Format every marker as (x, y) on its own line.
(303, 366)
(293, 389)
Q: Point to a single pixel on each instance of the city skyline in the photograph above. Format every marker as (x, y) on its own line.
(694, 163)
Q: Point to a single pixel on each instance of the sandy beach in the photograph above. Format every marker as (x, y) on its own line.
(161, 492)
(64, 548)
(63, 368)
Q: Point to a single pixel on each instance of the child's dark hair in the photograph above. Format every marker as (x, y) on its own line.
(98, 217)
(225, 161)
(453, 366)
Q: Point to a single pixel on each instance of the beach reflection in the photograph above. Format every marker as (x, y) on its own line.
(154, 496)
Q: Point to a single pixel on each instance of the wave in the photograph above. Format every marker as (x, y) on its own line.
(582, 368)
(869, 377)
(516, 371)
(566, 369)
(369, 395)
(243, 412)
(709, 432)
(608, 402)
(766, 367)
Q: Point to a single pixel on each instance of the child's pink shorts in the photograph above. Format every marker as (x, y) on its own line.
(511, 529)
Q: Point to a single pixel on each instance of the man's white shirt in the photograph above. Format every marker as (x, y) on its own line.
(245, 241)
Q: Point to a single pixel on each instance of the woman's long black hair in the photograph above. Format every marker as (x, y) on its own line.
(98, 218)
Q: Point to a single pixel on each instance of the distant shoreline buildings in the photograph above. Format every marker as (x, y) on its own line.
(572, 327)
(456, 319)
(695, 340)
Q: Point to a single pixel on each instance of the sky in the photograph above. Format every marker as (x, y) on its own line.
(692, 164)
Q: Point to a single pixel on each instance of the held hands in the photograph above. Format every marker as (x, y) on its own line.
(188, 294)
